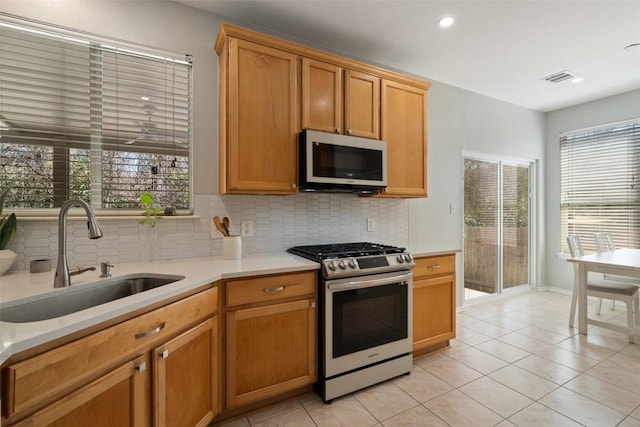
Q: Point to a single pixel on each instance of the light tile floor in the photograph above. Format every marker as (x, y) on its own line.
(515, 362)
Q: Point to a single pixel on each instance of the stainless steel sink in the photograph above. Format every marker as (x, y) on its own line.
(73, 299)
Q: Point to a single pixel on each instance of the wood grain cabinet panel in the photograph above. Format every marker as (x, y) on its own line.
(89, 381)
(185, 376)
(339, 100)
(271, 336)
(118, 398)
(270, 288)
(434, 303)
(322, 96)
(362, 104)
(270, 350)
(404, 129)
(259, 128)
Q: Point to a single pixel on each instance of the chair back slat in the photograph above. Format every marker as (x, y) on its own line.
(575, 245)
(604, 241)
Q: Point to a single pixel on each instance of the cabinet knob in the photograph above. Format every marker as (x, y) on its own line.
(349, 132)
(337, 130)
(141, 367)
(164, 354)
(293, 186)
(433, 267)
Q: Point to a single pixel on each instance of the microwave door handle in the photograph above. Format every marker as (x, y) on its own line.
(370, 283)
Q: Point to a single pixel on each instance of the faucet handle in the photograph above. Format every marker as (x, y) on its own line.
(105, 269)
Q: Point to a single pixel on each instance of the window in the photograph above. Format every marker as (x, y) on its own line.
(85, 118)
(599, 183)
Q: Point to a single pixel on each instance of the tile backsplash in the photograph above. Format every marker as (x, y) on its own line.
(279, 223)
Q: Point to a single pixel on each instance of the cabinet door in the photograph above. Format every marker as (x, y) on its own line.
(404, 130)
(118, 398)
(362, 105)
(186, 378)
(262, 119)
(270, 350)
(434, 314)
(321, 96)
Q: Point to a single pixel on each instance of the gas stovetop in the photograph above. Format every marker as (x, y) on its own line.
(355, 259)
(343, 250)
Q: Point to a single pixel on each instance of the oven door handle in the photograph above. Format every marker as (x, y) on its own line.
(369, 283)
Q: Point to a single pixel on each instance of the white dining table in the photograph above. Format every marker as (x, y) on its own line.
(620, 262)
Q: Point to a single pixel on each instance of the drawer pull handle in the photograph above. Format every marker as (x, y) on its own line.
(278, 289)
(150, 332)
(433, 267)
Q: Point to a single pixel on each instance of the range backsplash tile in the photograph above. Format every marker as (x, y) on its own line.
(279, 222)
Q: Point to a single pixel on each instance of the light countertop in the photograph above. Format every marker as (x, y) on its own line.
(22, 286)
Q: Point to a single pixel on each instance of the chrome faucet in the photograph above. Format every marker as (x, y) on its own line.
(63, 275)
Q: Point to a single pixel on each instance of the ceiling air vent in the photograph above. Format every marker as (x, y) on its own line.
(560, 76)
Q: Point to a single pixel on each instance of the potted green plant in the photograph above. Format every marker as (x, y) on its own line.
(151, 212)
(8, 225)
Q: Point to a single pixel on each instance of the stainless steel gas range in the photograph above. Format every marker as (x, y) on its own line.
(365, 315)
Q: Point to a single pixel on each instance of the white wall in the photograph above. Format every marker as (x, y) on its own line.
(462, 122)
(458, 120)
(607, 110)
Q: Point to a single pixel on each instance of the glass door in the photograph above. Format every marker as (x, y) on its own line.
(496, 226)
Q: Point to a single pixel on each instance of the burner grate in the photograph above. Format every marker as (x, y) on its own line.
(342, 250)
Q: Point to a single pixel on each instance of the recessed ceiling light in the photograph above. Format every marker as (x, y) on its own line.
(144, 98)
(577, 79)
(447, 21)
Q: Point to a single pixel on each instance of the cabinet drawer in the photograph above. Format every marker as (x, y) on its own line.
(269, 288)
(69, 366)
(434, 266)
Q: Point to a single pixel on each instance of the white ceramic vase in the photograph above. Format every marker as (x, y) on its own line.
(7, 257)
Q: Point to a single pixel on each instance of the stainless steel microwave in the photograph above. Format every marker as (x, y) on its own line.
(339, 163)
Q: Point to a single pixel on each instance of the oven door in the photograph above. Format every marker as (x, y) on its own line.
(368, 319)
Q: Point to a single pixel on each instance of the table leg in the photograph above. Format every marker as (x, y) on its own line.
(582, 298)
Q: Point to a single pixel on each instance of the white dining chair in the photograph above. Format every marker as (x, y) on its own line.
(601, 288)
(604, 243)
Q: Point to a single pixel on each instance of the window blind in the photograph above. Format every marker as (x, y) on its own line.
(86, 118)
(599, 184)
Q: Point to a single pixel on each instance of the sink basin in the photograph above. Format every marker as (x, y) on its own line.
(73, 299)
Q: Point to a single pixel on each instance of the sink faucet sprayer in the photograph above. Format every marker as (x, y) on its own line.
(63, 275)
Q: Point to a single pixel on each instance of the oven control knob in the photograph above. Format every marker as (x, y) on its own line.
(352, 263)
(342, 265)
(408, 257)
(400, 259)
(331, 265)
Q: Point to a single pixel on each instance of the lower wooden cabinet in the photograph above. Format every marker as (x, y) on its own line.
(434, 302)
(118, 398)
(270, 348)
(169, 376)
(184, 373)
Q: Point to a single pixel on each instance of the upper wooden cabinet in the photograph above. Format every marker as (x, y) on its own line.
(405, 132)
(258, 121)
(322, 96)
(339, 100)
(271, 89)
(362, 104)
